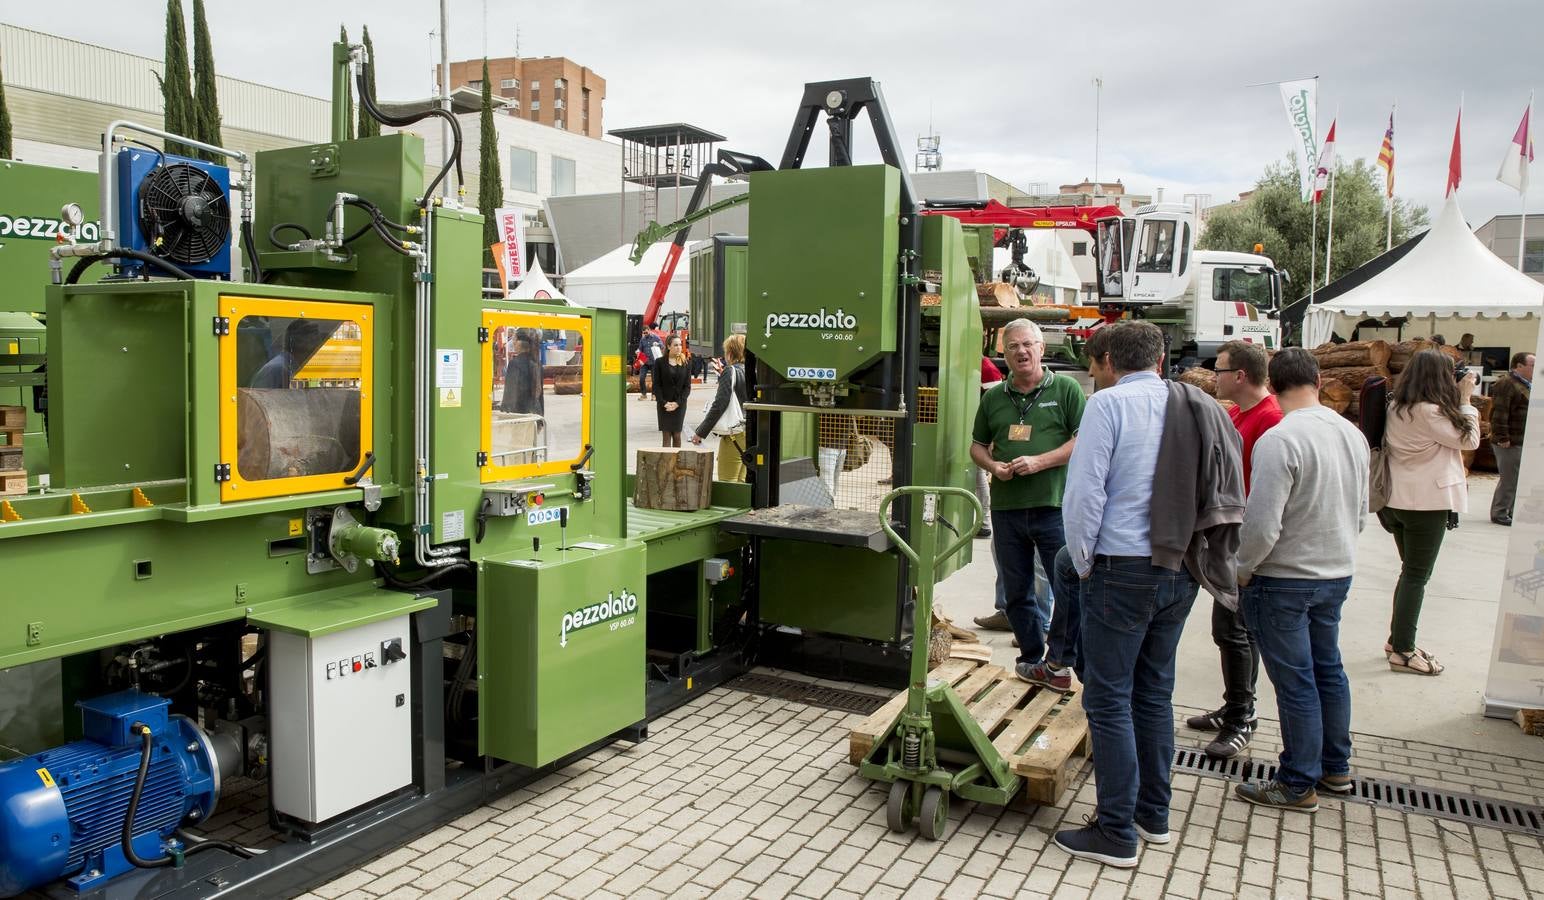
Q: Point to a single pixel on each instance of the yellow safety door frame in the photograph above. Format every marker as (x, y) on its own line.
(320, 367)
(492, 320)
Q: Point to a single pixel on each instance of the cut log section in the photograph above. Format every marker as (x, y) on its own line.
(1336, 395)
(1354, 377)
(676, 478)
(998, 293)
(1205, 379)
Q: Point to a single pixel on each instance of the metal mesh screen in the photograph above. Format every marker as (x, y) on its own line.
(927, 406)
(855, 458)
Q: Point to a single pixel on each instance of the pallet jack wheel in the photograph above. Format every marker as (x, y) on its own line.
(934, 820)
(900, 809)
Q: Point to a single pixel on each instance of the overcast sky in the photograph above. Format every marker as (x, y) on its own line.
(1006, 84)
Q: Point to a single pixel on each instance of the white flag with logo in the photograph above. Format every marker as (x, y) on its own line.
(1301, 100)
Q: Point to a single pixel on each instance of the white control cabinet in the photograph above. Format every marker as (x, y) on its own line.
(341, 730)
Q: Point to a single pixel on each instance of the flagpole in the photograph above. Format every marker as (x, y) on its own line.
(1522, 221)
(1313, 239)
(1388, 241)
(1329, 240)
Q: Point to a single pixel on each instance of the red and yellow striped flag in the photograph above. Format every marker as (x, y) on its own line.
(1386, 155)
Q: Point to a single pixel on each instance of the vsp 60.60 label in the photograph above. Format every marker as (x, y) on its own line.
(617, 609)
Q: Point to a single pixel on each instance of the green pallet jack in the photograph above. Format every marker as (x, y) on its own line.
(934, 748)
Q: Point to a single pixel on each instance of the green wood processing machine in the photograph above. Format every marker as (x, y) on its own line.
(341, 533)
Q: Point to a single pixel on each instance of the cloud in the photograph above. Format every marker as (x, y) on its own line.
(1008, 86)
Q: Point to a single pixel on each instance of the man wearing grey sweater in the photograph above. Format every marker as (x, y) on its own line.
(1297, 552)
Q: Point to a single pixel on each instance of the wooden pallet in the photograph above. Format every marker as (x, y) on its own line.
(13, 417)
(13, 483)
(1042, 734)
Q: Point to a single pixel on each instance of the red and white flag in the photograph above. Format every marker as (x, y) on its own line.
(1321, 176)
(1519, 153)
(1455, 159)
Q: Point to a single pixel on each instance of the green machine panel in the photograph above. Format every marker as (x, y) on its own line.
(822, 281)
(561, 639)
(827, 588)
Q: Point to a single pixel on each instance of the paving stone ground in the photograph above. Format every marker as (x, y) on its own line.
(740, 795)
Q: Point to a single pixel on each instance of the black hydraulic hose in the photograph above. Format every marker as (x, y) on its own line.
(250, 247)
(434, 575)
(199, 845)
(367, 100)
(146, 748)
(87, 262)
(273, 233)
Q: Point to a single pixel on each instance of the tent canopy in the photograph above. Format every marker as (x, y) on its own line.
(613, 282)
(1450, 274)
(536, 286)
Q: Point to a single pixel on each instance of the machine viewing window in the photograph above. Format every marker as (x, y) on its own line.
(295, 380)
(1242, 286)
(1156, 254)
(536, 393)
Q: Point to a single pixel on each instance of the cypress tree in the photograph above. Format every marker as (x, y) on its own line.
(348, 90)
(490, 184)
(368, 127)
(6, 151)
(206, 109)
(176, 92)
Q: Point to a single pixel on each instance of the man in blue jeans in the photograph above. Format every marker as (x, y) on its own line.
(1024, 432)
(1132, 610)
(1307, 504)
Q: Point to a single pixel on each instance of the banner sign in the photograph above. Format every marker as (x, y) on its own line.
(1301, 100)
(511, 225)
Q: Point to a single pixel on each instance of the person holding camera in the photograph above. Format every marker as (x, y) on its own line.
(1430, 423)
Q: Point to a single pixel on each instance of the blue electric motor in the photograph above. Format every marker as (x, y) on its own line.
(62, 810)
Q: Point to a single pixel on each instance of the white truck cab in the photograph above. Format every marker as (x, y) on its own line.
(1148, 266)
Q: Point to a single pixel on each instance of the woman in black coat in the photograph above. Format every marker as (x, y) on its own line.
(522, 379)
(672, 385)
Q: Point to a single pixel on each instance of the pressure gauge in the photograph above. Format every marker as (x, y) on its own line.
(72, 214)
(833, 99)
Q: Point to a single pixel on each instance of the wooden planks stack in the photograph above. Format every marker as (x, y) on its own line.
(676, 478)
(13, 472)
(1042, 734)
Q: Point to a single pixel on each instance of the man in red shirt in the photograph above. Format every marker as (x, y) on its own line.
(1241, 380)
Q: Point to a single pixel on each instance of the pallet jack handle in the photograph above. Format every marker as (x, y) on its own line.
(929, 517)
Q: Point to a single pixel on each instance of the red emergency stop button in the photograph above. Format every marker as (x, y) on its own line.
(358, 666)
(538, 499)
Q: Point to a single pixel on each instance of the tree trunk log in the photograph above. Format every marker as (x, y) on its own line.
(999, 294)
(1335, 395)
(674, 478)
(1354, 377)
(1356, 353)
(1205, 379)
(1402, 351)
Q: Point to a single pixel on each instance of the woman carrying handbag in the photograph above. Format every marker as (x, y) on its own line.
(726, 416)
(1430, 423)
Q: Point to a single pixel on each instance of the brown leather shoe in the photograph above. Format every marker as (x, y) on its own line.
(995, 622)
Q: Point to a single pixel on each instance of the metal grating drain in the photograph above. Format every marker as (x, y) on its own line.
(1410, 799)
(808, 694)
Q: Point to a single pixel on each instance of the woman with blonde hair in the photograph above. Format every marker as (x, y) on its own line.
(1430, 423)
(726, 416)
(672, 386)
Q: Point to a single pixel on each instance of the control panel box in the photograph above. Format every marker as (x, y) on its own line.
(343, 729)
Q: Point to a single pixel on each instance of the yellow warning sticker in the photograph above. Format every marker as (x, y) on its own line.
(297, 527)
(450, 398)
(48, 780)
(13, 347)
(611, 364)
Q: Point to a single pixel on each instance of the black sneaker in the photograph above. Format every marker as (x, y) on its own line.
(1230, 742)
(1216, 721)
(1152, 835)
(1091, 843)
(1337, 784)
(1279, 796)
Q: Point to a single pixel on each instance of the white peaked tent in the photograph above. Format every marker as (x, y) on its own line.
(537, 286)
(1448, 275)
(613, 282)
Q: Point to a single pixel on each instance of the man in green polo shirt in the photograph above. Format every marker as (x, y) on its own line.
(1025, 429)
